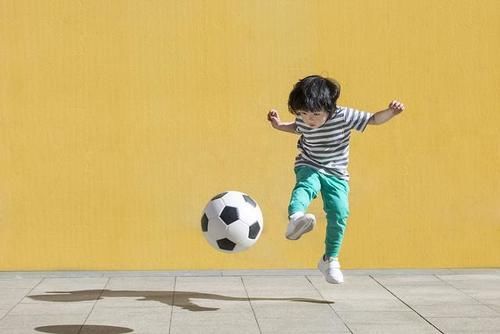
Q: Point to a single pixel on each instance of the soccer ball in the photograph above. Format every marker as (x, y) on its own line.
(232, 222)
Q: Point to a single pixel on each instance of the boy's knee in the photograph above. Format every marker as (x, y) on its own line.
(308, 188)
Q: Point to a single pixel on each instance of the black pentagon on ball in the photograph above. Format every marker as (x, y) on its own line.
(226, 244)
(249, 200)
(254, 230)
(229, 215)
(204, 223)
(218, 196)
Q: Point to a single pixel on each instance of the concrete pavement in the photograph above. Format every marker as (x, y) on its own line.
(251, 301)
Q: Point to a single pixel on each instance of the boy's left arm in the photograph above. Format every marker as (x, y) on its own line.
(395, 108)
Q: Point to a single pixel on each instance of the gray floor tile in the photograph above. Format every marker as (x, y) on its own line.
(52, 309)
(208, 305)
(11, 297)
(457, 311)
(209, 294)
(482, 287)
(19, 283)
(214, 322)
(105, 329)
(470, 325)
(473, 332)
(432, 295)
(73, 295)
(275, 272)
(386, 322)
(72, 329)
(382, 305)
(170, 273)
(141, 283)
(474, 274)
(470, 278)
(71, 283)
(134, 298)
(483, 293)
(292, 317)
(3, 312)
(301, 325)
(408, 280)
(229, 285)
(493, 301)
(400, 272)
(280, 288)
(140, 319)
(30, 321)
(363, 288)
(494, 304)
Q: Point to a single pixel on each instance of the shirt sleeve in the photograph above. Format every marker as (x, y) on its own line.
(357, 119)
(298, 128)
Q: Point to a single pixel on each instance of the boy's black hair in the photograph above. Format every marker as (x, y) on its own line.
(314, 93)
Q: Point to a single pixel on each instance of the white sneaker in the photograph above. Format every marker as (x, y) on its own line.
(299, 224)
(331, 270)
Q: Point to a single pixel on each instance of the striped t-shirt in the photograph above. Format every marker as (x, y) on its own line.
(327, 148)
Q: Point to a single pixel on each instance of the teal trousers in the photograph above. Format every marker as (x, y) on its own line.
(335, 194)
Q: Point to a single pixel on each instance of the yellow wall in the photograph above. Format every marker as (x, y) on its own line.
(120, 119)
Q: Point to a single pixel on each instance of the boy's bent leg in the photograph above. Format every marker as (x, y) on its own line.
(306, 189)
(299, 224)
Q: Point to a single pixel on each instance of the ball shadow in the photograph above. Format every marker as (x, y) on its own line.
(83, 329)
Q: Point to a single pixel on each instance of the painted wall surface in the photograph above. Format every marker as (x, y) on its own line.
(119, 120)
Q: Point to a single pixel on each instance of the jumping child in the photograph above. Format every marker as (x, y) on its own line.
(321, 165)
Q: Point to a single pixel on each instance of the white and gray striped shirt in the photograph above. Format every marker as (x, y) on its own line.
(327, 148)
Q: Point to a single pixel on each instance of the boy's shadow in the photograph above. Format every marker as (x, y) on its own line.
(182, 299)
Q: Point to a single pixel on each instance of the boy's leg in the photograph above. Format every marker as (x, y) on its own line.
(306, 189)
(335, 193)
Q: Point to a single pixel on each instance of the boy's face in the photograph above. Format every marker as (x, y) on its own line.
(313, 119)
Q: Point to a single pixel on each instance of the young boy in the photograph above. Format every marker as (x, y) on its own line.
(321, 165)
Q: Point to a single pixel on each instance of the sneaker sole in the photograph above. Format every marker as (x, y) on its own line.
(305, 227)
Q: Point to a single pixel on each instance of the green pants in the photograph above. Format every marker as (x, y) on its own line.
(335, 193)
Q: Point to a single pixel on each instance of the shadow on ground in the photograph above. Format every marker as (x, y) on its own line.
(83, 329)
(182, 299)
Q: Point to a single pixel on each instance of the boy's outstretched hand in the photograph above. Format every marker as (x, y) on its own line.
(396, 107)
(274, 118)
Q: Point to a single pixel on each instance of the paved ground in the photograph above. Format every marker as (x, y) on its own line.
(288, 301)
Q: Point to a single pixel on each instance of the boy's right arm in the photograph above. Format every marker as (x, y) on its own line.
(276, 122)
